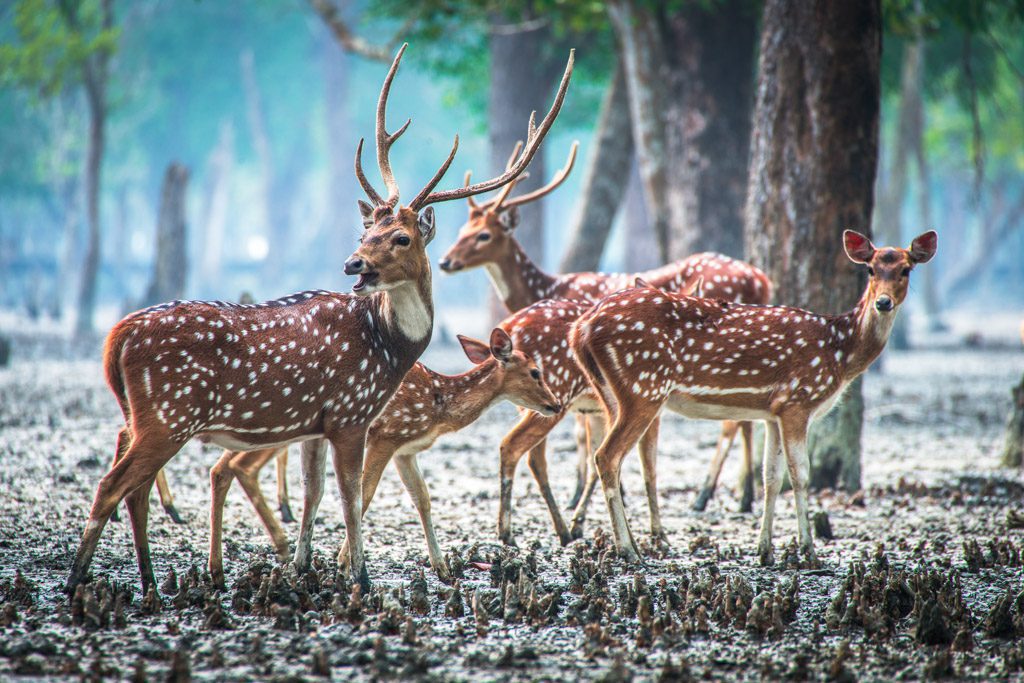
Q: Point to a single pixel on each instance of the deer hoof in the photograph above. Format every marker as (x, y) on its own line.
(172, 512)
(702, 500)
(286, 514)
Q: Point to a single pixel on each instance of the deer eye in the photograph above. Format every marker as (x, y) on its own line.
(483, 237)
(871, 271)
(402, 240)
(905, 273)
(535, 373)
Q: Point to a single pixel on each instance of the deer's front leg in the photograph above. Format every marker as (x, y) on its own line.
(725, 439)
(531, 429)
(412, 478)
(794, 444)
(538, 463)
(747, 475)
(772, 485)
(579, 514)
(584, 452)
(314, 460)
(649, 464)
(221, 477)
(246, 467)
(283, 503)
(348, 470)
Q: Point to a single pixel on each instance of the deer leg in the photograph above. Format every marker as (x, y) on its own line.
(314, 460)
(579, 514)
(725, 439)
(530, 431)
(538, 462)
(630, 424)
(348, 470)
(747, 475)
(772, 485)
(123, 439)
(139, 465)
(377, 458)
(583, 454)
(412, 478)
(794, 445)
(282, 487)
(138, 513)
(221, 477)
(246, 467)
(649, 464)
(166, 498)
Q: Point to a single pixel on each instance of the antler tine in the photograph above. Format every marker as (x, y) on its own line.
(515, 153)
(415, 204)
(533, 141)
(367, 187)
(465, 183)
(557, 180)
(384, 139)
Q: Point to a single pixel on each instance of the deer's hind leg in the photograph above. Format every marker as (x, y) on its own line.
(166, 497)
(530, 432)
(725, 439)
(648, 448)
(283, 504)
(584, 451)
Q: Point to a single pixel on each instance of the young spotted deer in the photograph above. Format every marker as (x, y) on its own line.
(312, 368)
(644, 349)
(426, 406)
(488, 240)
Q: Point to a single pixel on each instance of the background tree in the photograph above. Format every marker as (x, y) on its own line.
(170, 266)
(812, 167)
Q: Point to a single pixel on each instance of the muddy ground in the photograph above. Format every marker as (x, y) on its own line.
(922, 579)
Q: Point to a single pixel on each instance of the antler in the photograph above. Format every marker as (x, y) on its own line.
(505, 190)
(533, 139)
(557, 180)
(384, 142)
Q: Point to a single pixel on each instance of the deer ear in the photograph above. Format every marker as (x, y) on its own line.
(923, 247)
(640, 283)
(509, 218)
(501, 344)
(366, 211)
(476, 351)
(858, 247)
(426, 225)
(695, 288)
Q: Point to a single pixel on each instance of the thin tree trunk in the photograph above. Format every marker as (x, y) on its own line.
(93, 167)
(814, 154)
(710, 52)
(341, 214)
(641, 242)
(219, 166)
(1013, 448)
(603, 190)
(929, 292)
(641, 49)
(170, 263)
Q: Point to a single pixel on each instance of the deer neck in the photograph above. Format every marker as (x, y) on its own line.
(870, 333)
(468, 395)
(518, 280)
(408, 310)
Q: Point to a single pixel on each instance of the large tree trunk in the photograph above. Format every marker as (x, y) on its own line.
(93, 167)
(710, 51)
(1013, 448)
(814, 155)
(602, 189)
(170, 263)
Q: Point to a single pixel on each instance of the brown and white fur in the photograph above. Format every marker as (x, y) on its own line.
(645, 349)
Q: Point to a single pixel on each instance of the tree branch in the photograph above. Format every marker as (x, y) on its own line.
(349, 41)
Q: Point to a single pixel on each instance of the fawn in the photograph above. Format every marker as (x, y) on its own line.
(643, 349)
(315, 367)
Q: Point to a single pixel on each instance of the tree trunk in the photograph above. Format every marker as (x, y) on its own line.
(93, 167)
(602, 191)
(1013, 449)
(814, 154)
(640, 240)
(642, 55)
(341, 216)
(710, 52)
(524, 69)
(170, 264)
(219, 166)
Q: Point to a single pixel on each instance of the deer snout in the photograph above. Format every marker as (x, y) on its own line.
(884, 303)
(448, 265)
(354, 266)
(553, 408)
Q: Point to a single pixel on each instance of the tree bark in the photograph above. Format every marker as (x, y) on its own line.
(814, 154)
(603, 190)
(170, 263)
(642, 54)
(641, 242)
(1013, 448)
(710, 53)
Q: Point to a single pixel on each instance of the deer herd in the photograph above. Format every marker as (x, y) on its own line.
(697, 337)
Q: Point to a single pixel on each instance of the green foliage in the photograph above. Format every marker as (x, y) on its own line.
(50, 43)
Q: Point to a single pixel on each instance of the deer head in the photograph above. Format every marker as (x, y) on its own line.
(521, 380)
(487, 235)
(889, 267)
(392, 248)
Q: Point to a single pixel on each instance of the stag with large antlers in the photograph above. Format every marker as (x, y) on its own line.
(315, 367)
(645, 349)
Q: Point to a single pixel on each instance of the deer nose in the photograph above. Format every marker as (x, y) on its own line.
(445, 263)
(884, 303)
(354, 266)
(553, 408)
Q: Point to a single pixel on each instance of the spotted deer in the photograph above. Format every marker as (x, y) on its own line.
(645, 349)
(312, 368)
(488, 240)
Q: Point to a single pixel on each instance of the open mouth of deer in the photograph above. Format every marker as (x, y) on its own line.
(364, 280)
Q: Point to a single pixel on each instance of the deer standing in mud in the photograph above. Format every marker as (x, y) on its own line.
(426, 406)
(646, 349)
(313, 368)
(488, 240)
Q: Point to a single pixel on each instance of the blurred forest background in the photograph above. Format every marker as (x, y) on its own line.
(220, 136)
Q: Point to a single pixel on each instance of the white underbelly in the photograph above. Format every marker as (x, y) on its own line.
(701, 410)
(586, 403)
(417, 445)
(235, 442)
